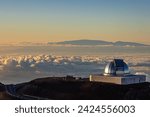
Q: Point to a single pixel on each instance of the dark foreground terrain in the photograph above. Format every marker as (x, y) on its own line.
(71, 89)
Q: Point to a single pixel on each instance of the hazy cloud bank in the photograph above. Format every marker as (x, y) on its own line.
(21, 68)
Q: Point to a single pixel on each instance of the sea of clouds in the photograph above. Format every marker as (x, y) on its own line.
(14, 69)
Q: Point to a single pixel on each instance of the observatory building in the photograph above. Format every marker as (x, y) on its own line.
(117, 72)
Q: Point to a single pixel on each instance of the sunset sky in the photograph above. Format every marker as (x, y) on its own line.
(59, 20)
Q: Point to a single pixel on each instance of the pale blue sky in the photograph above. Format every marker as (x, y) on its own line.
(57, 20)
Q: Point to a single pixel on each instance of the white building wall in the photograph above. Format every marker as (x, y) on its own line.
(118, 80)
(134, 79)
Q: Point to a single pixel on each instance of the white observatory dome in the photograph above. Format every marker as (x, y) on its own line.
(116, 67)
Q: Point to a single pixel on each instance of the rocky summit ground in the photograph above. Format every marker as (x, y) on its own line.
(75, 89)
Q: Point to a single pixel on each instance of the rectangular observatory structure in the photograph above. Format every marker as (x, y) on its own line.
(122, 80)
(117, 72)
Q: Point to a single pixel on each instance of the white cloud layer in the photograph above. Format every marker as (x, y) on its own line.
(24, 68)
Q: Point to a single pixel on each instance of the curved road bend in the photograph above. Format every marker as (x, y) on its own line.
(11, 90)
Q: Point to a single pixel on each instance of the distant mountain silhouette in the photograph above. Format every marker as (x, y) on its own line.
(85, 42)
(97, 42)
(121, 43)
